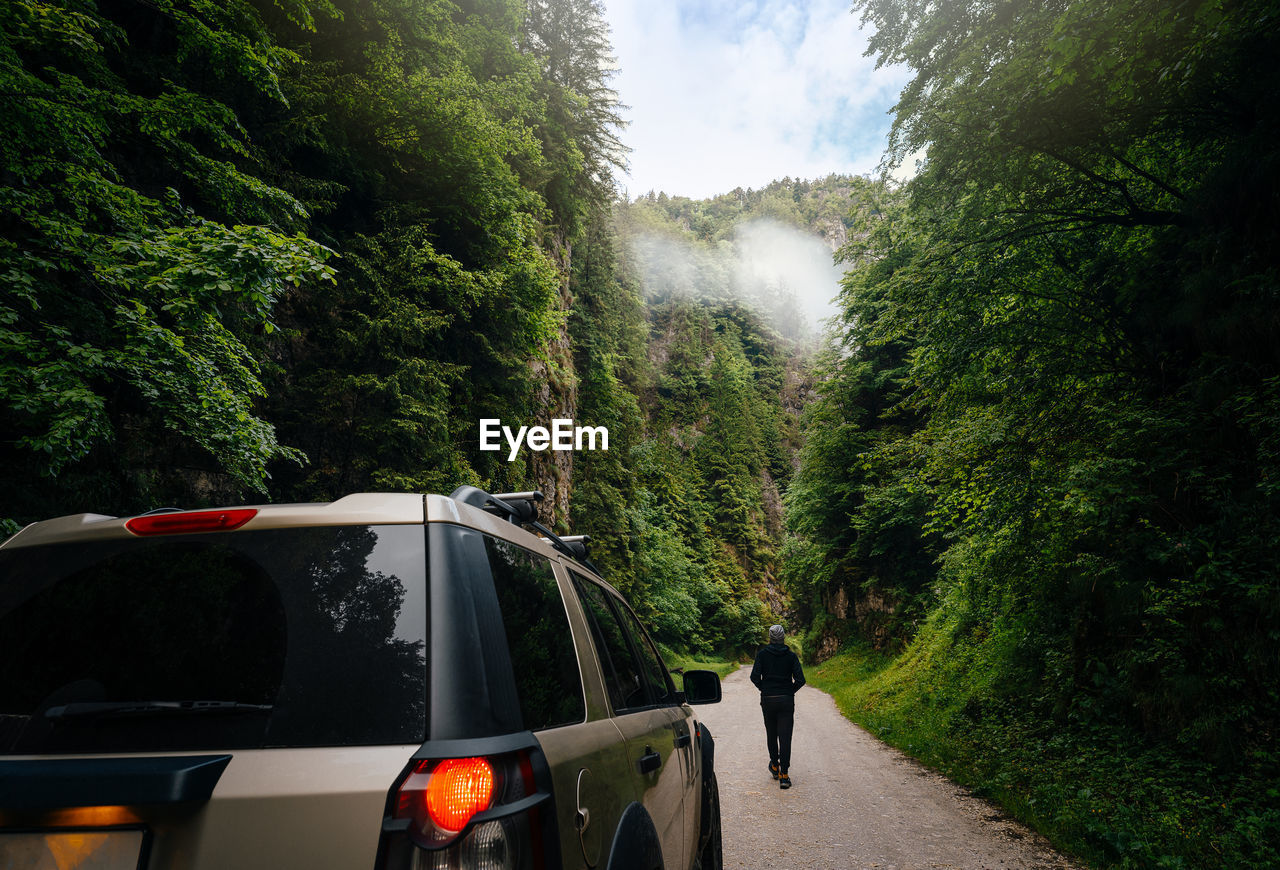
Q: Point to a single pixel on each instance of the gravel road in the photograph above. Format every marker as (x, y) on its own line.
(854, 802)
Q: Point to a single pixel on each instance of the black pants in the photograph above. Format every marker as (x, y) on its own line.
(779, 721)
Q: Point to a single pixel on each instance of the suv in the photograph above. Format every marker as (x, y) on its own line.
(388, 681)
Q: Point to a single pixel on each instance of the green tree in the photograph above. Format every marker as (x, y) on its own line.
(1081, 285)
(142, 255)
(580, 132)
(414, 123)
(1087, 315)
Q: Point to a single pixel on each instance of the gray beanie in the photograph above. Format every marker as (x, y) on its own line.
(775, 634)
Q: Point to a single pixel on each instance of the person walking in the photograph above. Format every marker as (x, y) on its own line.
(778, 676)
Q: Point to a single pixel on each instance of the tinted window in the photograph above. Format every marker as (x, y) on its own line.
(543, 660)
(622, 671)
(652, 670)
(308, 637)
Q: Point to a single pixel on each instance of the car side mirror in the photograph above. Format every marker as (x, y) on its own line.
(701, 687)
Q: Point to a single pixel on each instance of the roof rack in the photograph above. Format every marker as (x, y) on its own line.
(521, 509)
(578, 544)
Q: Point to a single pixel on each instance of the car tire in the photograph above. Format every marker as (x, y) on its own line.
(711, 856)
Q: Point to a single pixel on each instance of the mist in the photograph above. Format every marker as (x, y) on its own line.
(785, 274)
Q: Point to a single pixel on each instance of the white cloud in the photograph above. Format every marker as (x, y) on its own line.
(729, 94)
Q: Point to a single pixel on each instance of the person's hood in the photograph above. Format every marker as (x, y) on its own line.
(778, 649)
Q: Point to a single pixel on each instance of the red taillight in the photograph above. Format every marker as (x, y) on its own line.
(459, 788)
(437, 800)
(447, 795)
(190, 521)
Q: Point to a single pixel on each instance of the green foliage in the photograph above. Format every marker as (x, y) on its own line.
(679, 661)
(702, 474)
(675, 505)
(166, 170)
(1082, 361)
(138, 297)
(684, 508)
(823, 206)
(178, 178)
(435, 145)
(1093, 789)
(580, 132)
(1058, 376)
(857, 509)
(605, 326)
(383, 406)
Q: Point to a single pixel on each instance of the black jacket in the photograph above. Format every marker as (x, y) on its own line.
(777, 670)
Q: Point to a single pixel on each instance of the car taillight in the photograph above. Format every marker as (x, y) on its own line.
(182, 522)
(477, 813)
(448, 795)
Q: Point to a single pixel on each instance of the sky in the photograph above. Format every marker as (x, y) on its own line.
(737, 93)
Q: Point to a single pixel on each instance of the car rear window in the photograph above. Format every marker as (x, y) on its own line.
(283, 638)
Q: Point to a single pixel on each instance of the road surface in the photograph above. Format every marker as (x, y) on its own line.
(855, 803)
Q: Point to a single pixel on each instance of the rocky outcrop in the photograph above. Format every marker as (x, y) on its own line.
(833, 232)
(556, 398)
(867, 613)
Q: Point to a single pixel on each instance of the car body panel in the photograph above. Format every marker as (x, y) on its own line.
(271, 808)
(359, 509)
(647, 732)
(291, 808)
(590, 770)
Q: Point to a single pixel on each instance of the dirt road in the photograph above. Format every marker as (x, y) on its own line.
(855, 803)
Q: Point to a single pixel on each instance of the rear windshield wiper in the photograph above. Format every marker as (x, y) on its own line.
(95, 709)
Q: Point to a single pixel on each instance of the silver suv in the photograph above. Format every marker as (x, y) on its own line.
(388, 681)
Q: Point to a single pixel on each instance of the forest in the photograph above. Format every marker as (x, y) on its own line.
(1019, 497)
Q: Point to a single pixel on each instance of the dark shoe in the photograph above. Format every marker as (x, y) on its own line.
(784, 781)
(773, 769)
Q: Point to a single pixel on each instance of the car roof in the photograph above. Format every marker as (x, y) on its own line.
(365, 508)
(445, 509)
(358, 509)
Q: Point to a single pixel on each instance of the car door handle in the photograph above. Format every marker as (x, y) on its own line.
(650, 761)
(583, 817)
(683, 740)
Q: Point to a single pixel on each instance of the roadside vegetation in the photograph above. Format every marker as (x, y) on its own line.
(1098, 792)
(1040, 472)
(682, 662)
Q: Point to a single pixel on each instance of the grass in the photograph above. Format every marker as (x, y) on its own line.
(1100, 795)
(687, 661)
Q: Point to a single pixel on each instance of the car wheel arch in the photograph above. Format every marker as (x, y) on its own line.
(707, 747)
(635, 845)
